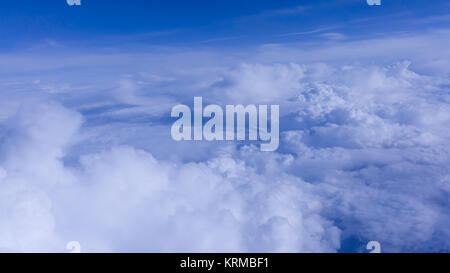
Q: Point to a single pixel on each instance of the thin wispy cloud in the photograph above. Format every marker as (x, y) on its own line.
(313, 31)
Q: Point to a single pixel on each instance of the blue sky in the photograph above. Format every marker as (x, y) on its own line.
(86, 152)
(209, 23)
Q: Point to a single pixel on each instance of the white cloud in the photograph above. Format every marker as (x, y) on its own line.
(364, 152)
(124, 199)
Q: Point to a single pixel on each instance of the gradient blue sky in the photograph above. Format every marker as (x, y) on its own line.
(208, 23)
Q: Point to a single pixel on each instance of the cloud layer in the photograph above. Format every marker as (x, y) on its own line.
(363, 155)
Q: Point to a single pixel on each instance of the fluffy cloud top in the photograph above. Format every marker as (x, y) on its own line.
(363, 156)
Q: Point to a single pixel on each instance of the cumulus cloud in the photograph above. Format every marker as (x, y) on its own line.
(123, 199)
(363, 155)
